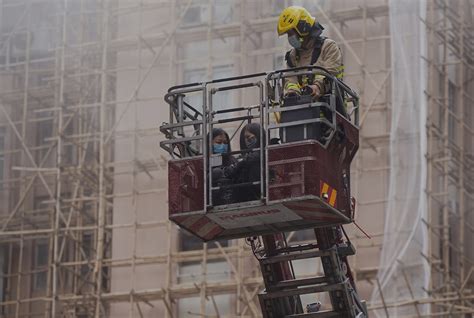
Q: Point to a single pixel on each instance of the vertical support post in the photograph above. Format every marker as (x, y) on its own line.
(205, 145)
(133, 177)
(265, 115)
(263, 141)
(102, 158)
(446, 224)
(461, 114)
(171, 234)
(207, 151)
(203, 289)
(430, 143)
(60, 73)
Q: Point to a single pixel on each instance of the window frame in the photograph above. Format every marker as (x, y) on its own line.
(40, 277)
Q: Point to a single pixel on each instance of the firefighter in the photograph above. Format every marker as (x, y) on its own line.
(309, 48)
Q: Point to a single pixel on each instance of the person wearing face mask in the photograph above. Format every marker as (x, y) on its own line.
(248, 169)
(221, 174)
(309, 48)
(221, 145)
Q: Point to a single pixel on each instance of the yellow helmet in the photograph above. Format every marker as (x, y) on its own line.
(295, 18)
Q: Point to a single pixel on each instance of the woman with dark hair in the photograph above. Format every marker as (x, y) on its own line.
(250, 136)
(220, 174)
(221, 145)
(248, 169)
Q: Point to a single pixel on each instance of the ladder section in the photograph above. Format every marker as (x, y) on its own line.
(281, 297)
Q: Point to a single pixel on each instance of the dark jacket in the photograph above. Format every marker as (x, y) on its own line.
(248, 169)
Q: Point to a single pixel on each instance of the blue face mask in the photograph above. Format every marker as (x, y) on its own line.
(220, 148)
(295, 41)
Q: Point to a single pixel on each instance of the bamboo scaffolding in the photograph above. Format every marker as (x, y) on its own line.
(79, 175)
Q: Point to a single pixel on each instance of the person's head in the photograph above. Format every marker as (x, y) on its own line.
(299, 25)
(250, 136)
(220, 141)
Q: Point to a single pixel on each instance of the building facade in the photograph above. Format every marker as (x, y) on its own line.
(83, 183)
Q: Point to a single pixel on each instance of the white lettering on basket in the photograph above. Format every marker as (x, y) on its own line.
(248, 214)
(254, 216)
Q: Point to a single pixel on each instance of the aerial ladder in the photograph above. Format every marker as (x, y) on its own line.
(307, 148)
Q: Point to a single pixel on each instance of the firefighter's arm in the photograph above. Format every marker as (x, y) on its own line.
(291, 83)
(331, 60)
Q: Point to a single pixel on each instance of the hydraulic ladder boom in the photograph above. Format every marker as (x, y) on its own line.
(301, 181)
(281, 297)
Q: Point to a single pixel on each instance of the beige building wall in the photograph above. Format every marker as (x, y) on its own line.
(144, 192)
(207, 56)
(107, 70)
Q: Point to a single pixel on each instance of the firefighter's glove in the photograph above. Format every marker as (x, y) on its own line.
(312, 90)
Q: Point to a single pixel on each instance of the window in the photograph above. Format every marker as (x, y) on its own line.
(452, 111)
(198, 13)
(223, 12)
(68, 151)
(40, 265)
(44, 131)
(220, 100)
(192, 273)
(190, 307)
(277, 7)
(313, 6)
(194, 16)
(194, 76)
(42, 38)
(87, 246)
(11, 19)
(40, 204)
(189, 242)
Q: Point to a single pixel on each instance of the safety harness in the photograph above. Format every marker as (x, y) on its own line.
(314, 58)
(309, 79)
